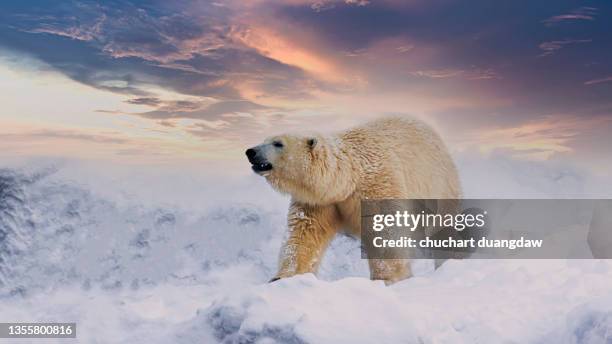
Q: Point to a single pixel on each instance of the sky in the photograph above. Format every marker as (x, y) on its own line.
(179, 81)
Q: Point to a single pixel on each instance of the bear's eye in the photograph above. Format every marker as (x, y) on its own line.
(277, 144)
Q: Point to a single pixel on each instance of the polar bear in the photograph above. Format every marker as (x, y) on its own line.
(328, 176)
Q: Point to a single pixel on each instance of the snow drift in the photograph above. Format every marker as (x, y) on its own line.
(174, 268)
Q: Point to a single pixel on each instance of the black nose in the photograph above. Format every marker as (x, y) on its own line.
(250, 153)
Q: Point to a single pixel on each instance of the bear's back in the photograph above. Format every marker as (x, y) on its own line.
(409, 150)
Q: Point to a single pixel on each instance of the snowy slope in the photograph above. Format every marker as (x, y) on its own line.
(466, 302)
(169, 267)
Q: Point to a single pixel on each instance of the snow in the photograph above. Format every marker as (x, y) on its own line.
(133, 260)
(590, 322)
(493, 302)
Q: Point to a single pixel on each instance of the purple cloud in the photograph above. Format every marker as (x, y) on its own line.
(582, 13)
(551, 47)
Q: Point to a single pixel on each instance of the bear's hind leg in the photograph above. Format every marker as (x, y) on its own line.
(389, 270)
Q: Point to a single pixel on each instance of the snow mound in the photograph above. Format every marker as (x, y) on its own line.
(464, 302)
(590, 322)
(306, 310)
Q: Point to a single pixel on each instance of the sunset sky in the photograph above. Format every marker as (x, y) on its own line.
(186, 80)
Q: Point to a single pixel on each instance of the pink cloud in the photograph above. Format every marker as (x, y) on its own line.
(598, 81)
(472, 74)
(537, 139)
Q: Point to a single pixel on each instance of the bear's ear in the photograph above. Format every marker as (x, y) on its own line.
(312, 142)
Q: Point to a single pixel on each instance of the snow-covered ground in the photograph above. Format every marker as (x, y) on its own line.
(143, 257)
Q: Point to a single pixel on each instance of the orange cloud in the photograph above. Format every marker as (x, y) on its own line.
(275, 46)
(538, 139)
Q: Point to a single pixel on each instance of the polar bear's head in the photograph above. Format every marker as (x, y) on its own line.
(309, 168)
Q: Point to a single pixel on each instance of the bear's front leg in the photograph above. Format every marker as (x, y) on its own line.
(311, 229)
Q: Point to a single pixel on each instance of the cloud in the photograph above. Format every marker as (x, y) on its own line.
(535, 139)
(279, 48)
(168, 124)
(598, 81)
(439, 73)
(66, 135)
(551, 47)
(201, 110)
(150, 101)
(405, 48)
(324, 5)
(582, 13)
(90, 30)
(270, 52)
(473, 74)
(126, 48)
(163, 39)
(131, 31)
(76, 32)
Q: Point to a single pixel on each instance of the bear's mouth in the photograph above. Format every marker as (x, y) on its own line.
(263, 167)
